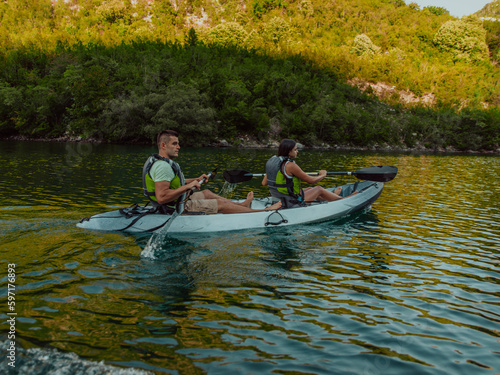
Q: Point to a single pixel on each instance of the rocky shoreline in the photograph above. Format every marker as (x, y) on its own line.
(253, 142)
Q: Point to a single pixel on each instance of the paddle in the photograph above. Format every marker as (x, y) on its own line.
(382, 173)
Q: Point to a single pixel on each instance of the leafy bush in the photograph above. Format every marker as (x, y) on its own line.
(438, 11)
(112, 10)
(261, 7)
(414, 6)
(276, 30)
(227, 34)
(397, 3)
(363, 46)
(307, 8)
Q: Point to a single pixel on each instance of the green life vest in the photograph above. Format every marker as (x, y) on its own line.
(148, 185)
(280, 184)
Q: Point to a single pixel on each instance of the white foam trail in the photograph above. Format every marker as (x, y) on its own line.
(227, 189)
(156, 241)
(149, 252)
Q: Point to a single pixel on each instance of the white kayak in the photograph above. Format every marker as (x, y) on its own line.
(140, 218)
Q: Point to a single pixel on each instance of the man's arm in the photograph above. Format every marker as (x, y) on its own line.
(164, 194)
(162, 174)
(199, 179)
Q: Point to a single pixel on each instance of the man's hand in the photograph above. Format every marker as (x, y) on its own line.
(194, 184)
(203, 178)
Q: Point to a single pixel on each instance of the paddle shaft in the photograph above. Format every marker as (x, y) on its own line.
(181, 207)
(210, 176)
(382, 173)
(309, 173)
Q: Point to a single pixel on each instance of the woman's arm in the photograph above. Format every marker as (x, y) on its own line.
(264, 180)
(293, 169)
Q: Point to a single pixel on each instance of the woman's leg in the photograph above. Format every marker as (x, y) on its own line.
(336, 191)
(317, 193)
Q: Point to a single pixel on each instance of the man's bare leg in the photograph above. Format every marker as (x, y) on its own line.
(211, 195)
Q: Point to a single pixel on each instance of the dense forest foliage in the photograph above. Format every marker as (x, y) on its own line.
(122, 70)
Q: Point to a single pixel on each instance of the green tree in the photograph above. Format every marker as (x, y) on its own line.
(493, 37)
(184, 109)
(11, 103)
(89, 87)
(465, 39)
(191, 39)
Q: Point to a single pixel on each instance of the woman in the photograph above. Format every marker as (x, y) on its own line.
(283, 176)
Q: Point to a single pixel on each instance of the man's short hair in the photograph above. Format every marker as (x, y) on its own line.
(164, 136)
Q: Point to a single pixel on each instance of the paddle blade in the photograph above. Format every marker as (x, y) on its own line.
(235, 176)
(382, 173)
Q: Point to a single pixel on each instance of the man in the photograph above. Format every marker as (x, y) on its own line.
(164, 183)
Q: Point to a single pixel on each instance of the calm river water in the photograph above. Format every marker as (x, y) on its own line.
(411, 286)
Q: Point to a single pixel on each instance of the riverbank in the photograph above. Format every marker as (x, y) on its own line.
(252, 142)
